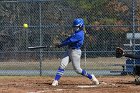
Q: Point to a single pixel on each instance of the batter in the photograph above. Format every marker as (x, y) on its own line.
(73, 53)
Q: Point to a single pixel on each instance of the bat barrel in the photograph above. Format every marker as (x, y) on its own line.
(39, 47)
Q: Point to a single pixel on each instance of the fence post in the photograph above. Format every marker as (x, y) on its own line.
(134, 26)
(40, 29)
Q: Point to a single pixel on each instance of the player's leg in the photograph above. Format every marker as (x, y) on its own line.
(60, 71)
(76, 57)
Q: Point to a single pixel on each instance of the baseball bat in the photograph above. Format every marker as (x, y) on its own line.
(39, 47)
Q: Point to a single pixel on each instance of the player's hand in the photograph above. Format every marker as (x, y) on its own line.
(119, 52)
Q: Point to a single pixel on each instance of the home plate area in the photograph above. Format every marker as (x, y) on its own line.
(108, 84)
(73, 88)
(78, 88)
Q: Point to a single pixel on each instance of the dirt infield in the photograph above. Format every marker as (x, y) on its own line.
(110, 84)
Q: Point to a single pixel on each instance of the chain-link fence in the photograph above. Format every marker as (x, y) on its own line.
(50, 21)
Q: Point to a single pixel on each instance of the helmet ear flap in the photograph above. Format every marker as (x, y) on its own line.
(81, 27)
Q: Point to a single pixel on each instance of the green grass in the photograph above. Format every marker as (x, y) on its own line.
(101, 63)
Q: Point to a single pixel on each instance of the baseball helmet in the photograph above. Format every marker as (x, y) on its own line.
(78, 22)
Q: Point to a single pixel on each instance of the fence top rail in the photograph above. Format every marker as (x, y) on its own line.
(27, 1)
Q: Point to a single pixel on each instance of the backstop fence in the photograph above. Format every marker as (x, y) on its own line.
(107, 24)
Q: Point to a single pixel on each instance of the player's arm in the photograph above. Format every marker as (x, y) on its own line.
(120, 53)
(132, 56)
(64, 43)
(70, 40)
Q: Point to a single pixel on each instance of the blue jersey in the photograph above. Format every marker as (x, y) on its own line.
(75, 41)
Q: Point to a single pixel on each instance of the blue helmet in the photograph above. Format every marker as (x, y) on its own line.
(78, 22)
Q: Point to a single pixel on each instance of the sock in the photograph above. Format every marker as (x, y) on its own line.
(59, 73)
(84, 73)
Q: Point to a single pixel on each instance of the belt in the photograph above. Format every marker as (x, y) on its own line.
(73, 48)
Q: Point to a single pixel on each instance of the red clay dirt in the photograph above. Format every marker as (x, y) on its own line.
(109, 84)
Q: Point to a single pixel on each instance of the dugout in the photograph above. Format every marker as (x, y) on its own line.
(132, 66)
